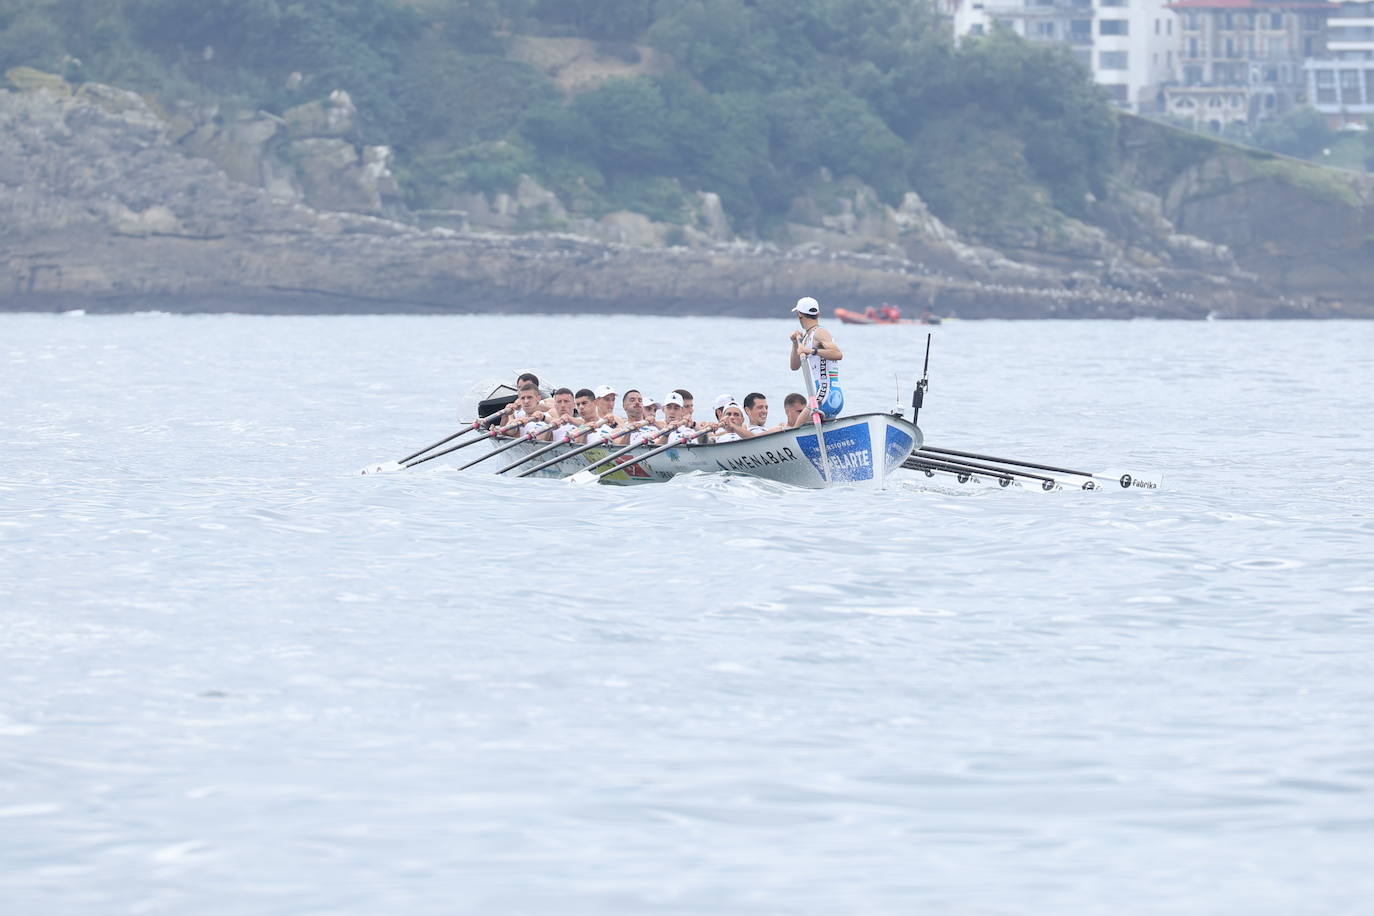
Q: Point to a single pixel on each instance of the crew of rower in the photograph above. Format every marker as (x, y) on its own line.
(574, 416)
(568, 416)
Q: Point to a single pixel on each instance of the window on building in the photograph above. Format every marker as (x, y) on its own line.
(1169, 26)
(1044, 30)
(1309, 46)
(1169, 59)
(1193, 48)
(1312, 21)
(1350, 87)
(1369, 85)
(1270, 101)
(1237, 101)
(1080, 30)
(1111, 60)
(1113, 2)
(1230, 47)
(1190, 20)
(1214, 102)
(1192, 76)
(1271, 74)
(1276, 20)
(1326, 86)
(1184, 104)
(1227, 21)
(1113, 26)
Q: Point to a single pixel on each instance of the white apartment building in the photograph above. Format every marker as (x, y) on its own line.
(1340, 84)
(1130, 46)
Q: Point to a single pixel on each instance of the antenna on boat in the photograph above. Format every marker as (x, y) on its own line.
(918, 397)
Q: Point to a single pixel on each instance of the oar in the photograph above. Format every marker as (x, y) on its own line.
(966, 469)
(518, 440)
(816, 418)
(593, 477)
(1125, 478)
(588, 474)
(548, 448)
(397, 465)
(490, 435)
(1049, 483)
(964, 476)
(593, 442)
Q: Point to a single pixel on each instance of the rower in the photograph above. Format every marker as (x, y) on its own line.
(545, 403)
(587, 413)
(722, 401)
(794, 405)
(608, 423)
(756, 411)
(564, 414)
(687, 402)
(605, 403)
(732, 424)
(815, 344)
(647, 412)
(633, 402)
(527, 410)
(677, 413)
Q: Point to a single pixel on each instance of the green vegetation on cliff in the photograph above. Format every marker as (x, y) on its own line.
(759, 95)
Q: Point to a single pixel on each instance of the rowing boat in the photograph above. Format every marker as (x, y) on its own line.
(863, 449)
(848, 317)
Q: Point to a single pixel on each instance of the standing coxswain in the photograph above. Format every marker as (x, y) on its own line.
(814, 344)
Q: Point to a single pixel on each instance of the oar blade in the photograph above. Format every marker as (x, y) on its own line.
(584, 476)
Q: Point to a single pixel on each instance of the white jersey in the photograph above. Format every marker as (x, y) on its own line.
(758, 430)
(533, 427)
(643, 433)
(561, 433)
(825, 372)
(728, 437)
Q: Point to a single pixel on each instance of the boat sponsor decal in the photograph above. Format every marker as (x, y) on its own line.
(898, 446)
(758, 459)
(850, 451)
(634, 470)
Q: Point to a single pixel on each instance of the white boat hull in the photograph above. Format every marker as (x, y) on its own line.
(864, 450)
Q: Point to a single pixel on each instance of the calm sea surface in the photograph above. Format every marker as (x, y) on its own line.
(236, 677)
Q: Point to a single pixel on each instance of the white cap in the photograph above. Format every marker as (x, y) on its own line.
(807, 306)
(722, 400)
(673, 398)
(602, 391)
(651, 402)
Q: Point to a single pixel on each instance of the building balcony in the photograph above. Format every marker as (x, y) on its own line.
(1060, 9)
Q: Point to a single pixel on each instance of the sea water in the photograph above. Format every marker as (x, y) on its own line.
(237, 677)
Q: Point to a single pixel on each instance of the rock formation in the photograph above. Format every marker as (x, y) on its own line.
(107, 204)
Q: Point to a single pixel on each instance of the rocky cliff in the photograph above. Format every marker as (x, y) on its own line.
(107, 204)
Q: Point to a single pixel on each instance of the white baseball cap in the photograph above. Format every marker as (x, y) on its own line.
(673, 398)
(807, 306)
(722, 400)
(602, 391)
